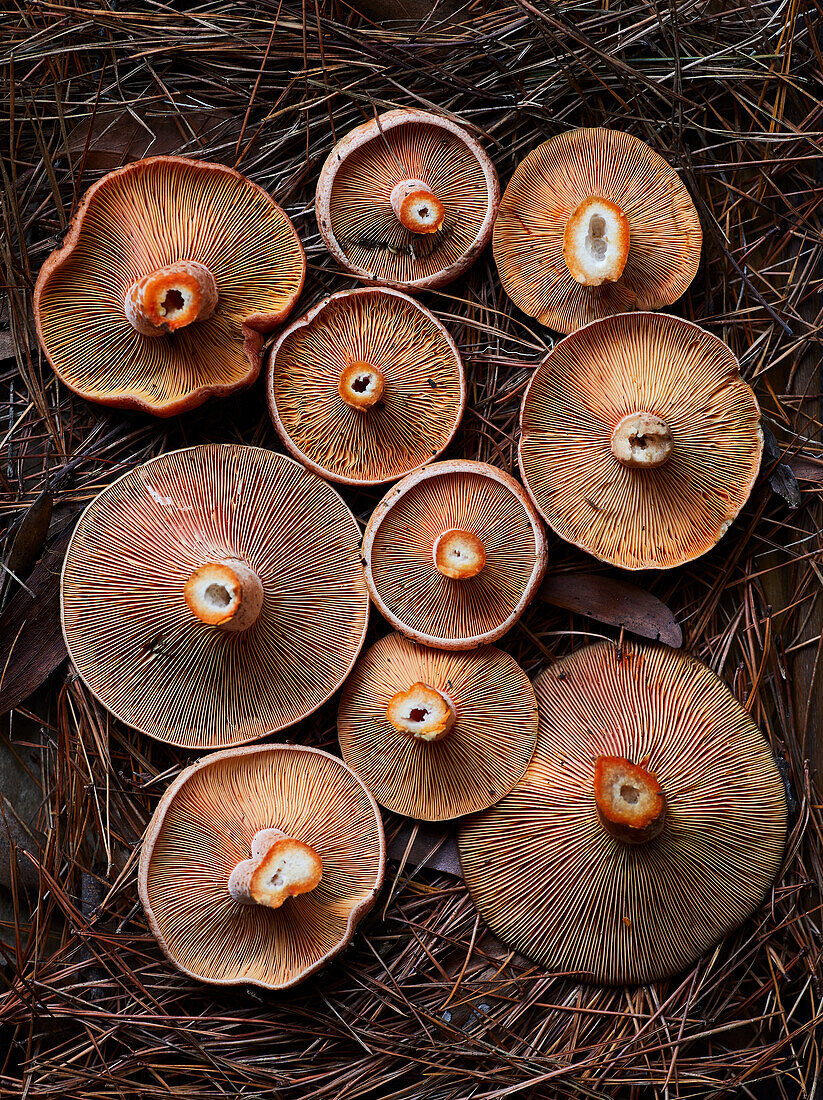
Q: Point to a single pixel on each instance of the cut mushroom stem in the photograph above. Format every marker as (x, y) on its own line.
(459, 554)
(596, 242)
(416, 208)
(226, 594)
(280, 867)
(170, 298)
(361, 385)
(422, 712)
(630, 802)
(642, 440)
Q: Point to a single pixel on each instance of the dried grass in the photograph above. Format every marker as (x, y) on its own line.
(425, 1004)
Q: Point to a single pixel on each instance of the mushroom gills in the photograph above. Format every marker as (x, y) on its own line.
(422, 712)
(280, 867)
(596, 242)
(630, 802)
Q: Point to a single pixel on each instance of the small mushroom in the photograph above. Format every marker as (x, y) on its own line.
(640, 442)
(258, 864)
(454, 553)
(163, 289)
(366, 387)
(593, 223)
(434, 734)
(407, 199)
(650, 821)
(214, 595)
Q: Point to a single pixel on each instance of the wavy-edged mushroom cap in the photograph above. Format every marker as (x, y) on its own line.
(407, 199)
(366, 387)
(593, 223)
(550, 870)
(205, 827)
(454, 553)
(640, 441)
(160, 295)
(214, 595)
(456, 746)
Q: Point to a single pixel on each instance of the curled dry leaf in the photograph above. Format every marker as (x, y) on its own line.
(615, 602)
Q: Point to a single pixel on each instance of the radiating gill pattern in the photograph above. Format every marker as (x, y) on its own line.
(422, 400)
(555, 886)
(638, 518)
(362, 219)
(206, 826)
(546, 189)
(481, 758)
(423, 601)
(145, 217)
(149, 660)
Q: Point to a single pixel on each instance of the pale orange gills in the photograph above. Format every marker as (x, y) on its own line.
(171, 274)
(650, 822)
(640, 442)
(592, 223)
(214, 595)
(407, 199)
(366, 387)
(315, 836)
(454, 554)
(437, 734)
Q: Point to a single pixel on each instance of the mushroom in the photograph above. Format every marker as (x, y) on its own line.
(433, 734)
(650, 821)
(160, 296)
(214, 595)
(640, 442)
(366, 387)
(593, 223)
(407, 199)
(313, 831)
(454, 553)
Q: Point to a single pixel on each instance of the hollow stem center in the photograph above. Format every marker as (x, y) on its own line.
(630, 802)
(171, 298)
(642, 440)
(280, 867)
(422, 712)
(416, 207)
(596, 242)
(459, 554)
(361, 385)
(227, 594)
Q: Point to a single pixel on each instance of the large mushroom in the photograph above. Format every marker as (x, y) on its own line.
(434, 734)
(592, 223)
(640, 442)
(650, 821)
(214, 595)
(366, 387)
(258, 864)
(160, 296)
(407, 199)
(454, 553)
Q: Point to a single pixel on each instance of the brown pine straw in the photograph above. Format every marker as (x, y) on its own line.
(425, 1004)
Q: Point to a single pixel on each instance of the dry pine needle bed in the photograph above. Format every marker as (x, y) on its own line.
(426, 1002)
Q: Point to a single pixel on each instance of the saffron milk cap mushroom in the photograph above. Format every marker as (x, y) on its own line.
(258, 864)
(366, 387)
(650, 821)
(435, 734)
(454, 553)
(640, 442)
(592, 223)
(214, 595)
(407, 199)
(160, 295)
